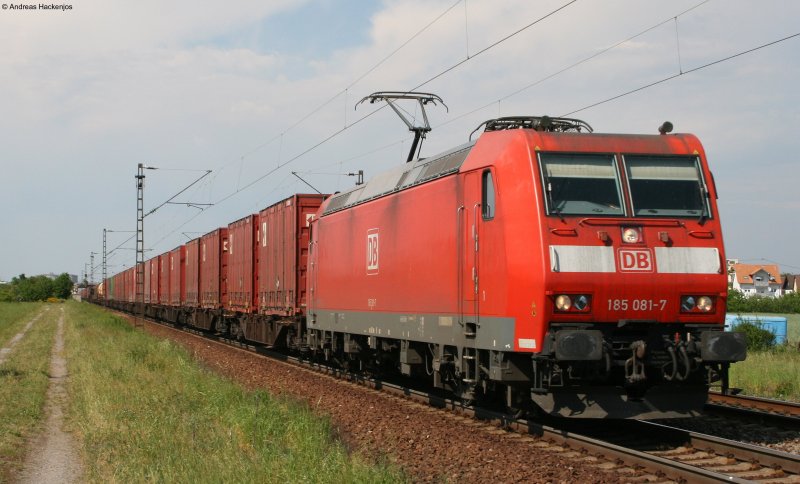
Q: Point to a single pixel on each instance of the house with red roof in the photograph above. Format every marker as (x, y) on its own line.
(761, 280)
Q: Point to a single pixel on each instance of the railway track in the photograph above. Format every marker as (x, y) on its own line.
(707, 458)
(636, 450)
(775, 412)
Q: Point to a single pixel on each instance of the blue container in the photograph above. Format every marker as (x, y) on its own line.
(774, 324)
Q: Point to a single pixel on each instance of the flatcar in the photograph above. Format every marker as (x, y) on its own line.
(542, 266)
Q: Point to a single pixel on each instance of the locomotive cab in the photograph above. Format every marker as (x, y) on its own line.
(634, 283)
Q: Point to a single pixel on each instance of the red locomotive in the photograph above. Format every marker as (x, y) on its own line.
(577, 273)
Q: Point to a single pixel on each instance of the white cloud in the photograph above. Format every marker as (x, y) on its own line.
(93, 91)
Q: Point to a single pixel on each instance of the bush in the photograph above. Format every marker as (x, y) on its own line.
(36, 288)
(737, 303)
(758, 338)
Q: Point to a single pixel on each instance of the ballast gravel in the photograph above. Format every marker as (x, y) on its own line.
(428, 445)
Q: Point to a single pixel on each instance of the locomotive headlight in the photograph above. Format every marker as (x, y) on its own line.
(581, 302)
(631, 235)
(563, 302)
(705, 304)
(695, 304)
(688, 304)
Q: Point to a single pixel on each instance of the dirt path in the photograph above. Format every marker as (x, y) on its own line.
(4, 352)
(53, 456)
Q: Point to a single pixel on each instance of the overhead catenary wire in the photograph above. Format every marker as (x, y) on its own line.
(339, 131)
(359, 120)
(317, 109)
(325, 103)
(170, 199)
(772, 262)
(674, 76)
(574, 65)
(535, 83)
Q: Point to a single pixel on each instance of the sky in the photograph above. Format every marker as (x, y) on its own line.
(255, 90)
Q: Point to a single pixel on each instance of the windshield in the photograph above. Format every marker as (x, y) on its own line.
(581, 184)
(666, 186)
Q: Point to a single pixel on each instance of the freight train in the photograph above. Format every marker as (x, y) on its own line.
(542, 265)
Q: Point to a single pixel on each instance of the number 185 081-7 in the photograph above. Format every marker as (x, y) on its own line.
(637, 304)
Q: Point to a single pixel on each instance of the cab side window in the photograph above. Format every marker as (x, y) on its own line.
(488, 199)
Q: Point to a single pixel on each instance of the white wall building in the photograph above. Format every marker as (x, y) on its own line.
(762, 280)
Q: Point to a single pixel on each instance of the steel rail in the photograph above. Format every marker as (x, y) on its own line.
(765, 456)
(758, 403)
(779, 413)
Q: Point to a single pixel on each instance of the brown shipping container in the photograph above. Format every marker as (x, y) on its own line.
(241, 265)
(177, 276)
(282, 238)
(192, 273)
(213, 268)
(163, 278)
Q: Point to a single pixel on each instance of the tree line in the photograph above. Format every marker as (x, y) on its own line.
(36, 288)
(738, 303)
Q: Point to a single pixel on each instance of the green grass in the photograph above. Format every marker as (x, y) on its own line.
(14, 317)
(23, 386)
(792, 328)
(145, 411)
(771, 374)
(775, 373)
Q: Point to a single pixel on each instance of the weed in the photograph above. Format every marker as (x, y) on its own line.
(148, 412)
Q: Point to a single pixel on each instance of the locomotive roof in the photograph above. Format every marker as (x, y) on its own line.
(419, 171)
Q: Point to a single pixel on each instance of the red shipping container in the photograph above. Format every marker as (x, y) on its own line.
(151, 281)
(213, 268)
(163, 278)
(123, 286)
(192, 273)
(148, 279)
(130, 285)
(116, 286)
(241, 275)
(177, 276)
(282, 238)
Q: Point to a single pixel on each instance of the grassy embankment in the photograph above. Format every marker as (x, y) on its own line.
(775, 373)
(14, 317)
(146, 411)
(23, 380)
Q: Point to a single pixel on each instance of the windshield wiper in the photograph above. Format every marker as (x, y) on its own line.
(703, 196)
(549, 191)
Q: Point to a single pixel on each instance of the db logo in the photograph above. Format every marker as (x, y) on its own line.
(372, 251)
(635, 260)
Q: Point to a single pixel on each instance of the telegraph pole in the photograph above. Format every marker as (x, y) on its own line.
(91, 266)
(105, 273)
(139, 245)
(140, 215)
